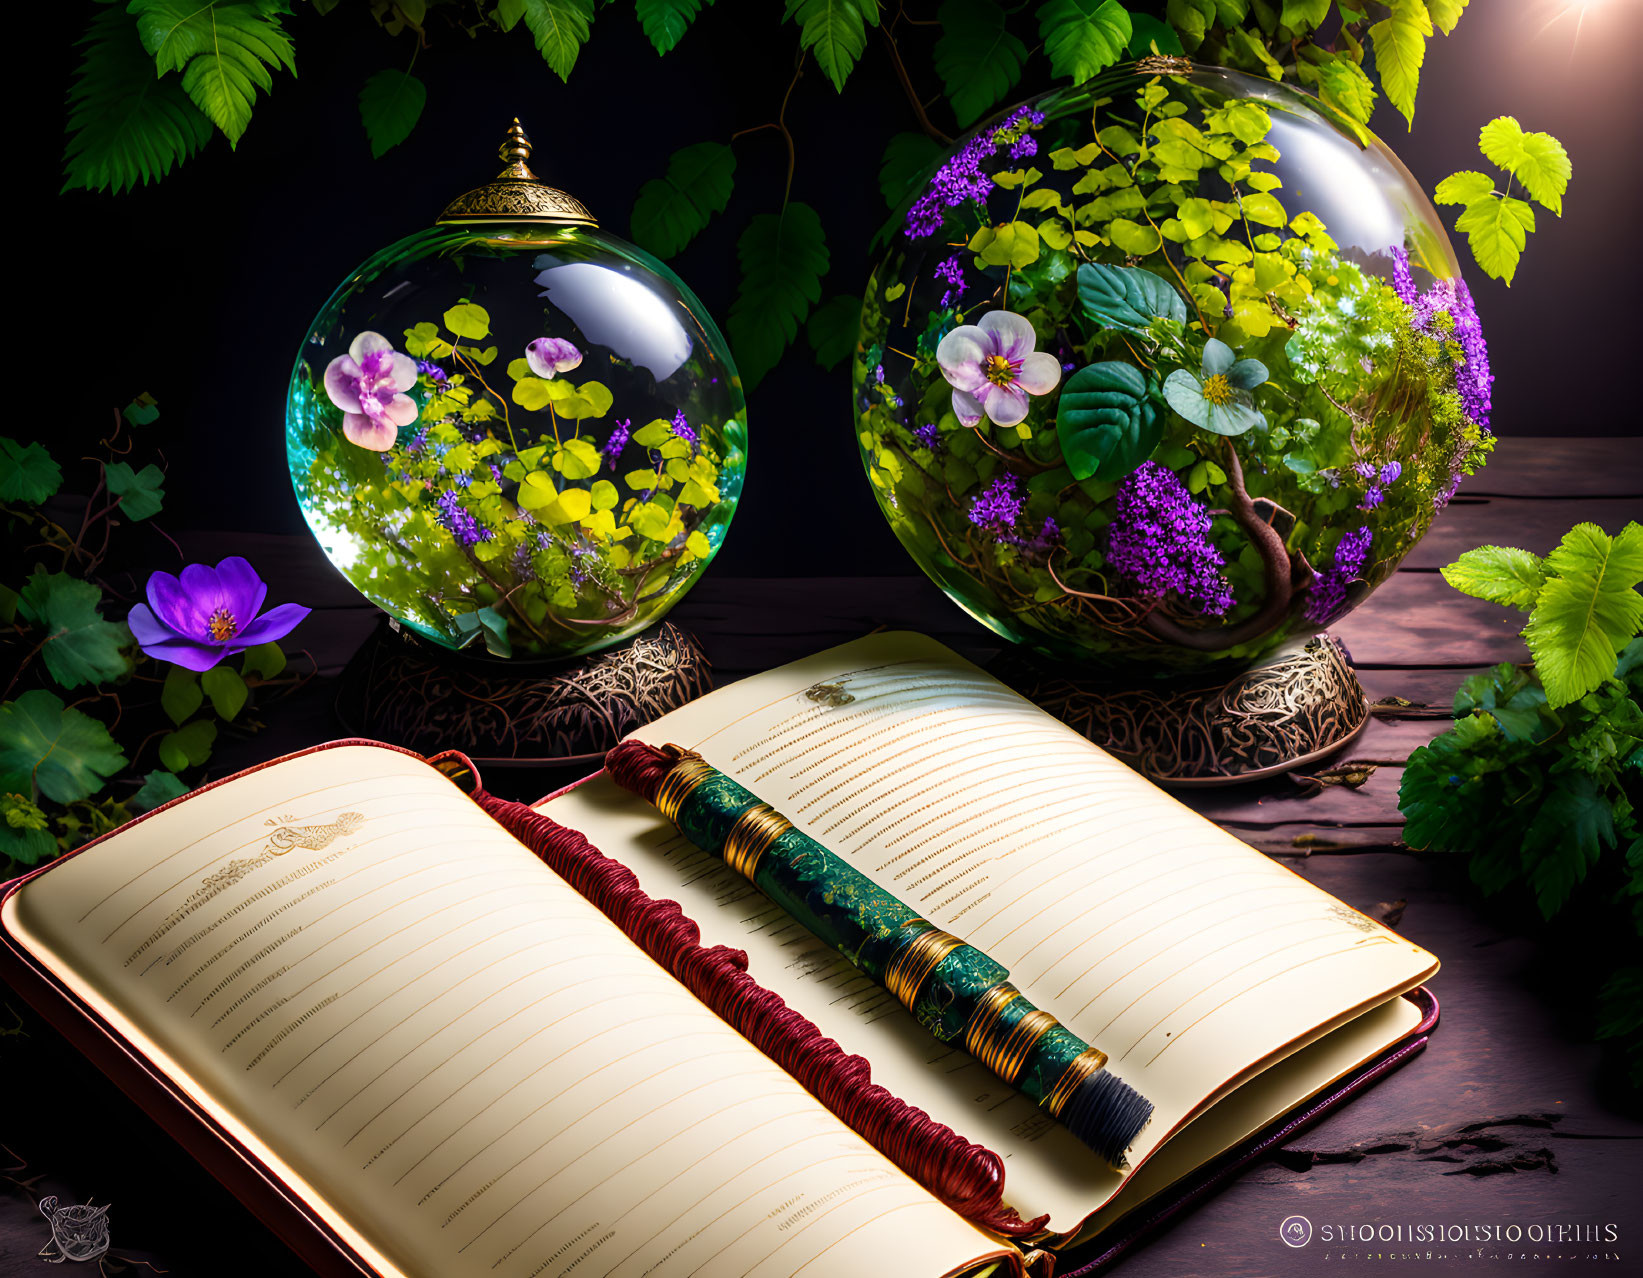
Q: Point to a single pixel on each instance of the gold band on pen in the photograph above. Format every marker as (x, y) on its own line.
(917, 959)
(680, 782)
(750, 838)
(1072, 1078)
(1018, 1045)
(978, 1031)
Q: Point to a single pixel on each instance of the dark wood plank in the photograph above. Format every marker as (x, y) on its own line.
(1417, 620)
(1535, 525)
(1544, 466)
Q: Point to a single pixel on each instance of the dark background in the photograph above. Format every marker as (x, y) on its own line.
(197, 289)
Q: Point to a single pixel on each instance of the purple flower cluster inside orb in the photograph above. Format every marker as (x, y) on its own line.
(1160, 541)
(459, 521)
(1379, 480)
(1329, 590)
(998, 506)
(961, 178)
(682, 429)
(928, 436)
(1452, 298)
(618, 440)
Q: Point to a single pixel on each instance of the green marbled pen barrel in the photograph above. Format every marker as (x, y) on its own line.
(955, 991)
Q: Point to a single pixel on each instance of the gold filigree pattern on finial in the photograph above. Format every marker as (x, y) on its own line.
(516, 194)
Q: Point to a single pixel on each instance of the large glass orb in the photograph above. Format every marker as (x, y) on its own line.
(517, 432)
(1163, 371)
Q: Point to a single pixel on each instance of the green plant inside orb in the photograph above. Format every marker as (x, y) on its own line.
(529, 438)
(1164, 371)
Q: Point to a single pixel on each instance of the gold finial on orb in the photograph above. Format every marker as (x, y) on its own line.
(516, 194)
(515, 152)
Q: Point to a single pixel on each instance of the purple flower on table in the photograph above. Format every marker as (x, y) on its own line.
(998, 506)
(459, 521)
(993, 368)
(618, 440)
(368, 384)
(196, 619)
(1159, 539)
(682, 429)
(550, 356)
(1329, 589)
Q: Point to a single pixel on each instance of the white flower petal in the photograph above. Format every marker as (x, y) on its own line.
(1005, 405)
(960, 354)
(967, 408)
(1040, 373)
(377, 436)
(1012, 336)
(367, 343)
(402, 372)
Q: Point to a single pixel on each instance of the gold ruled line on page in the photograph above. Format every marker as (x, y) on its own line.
(838, 737)
(1238, 939)
(419, 944)
(262, 837)
(572, 1085)
(639, 1158)
(1155, 928)
(1317, 958)
(885, 1183)
(506, 957)
(544, 1145)
(836, 677)
(869, 699)
(210, 834)
(937, 781)
(947, 823)
(868, 707)
(872, 1220)
(650, 1151)
(943, 767)
(846, 1155)
(1012, 834)
(656, 1234)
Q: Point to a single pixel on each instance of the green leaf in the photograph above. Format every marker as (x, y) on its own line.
(834, 328)
(979, 61)
(907, 156)
(64, 753)
(181, 695)
(1148, 33)
(1344, 85)
(1446, 13)
(559, 28)
(1083, 37)
(672, 211)
(665, 21)
(1496, 230)
(1127, 297)
(390, 104)
(1300, 16)
(125, 125)
(224, 51)
(1133, 238)
(1538, 160)
(1105, 422)
(466, 319)
(78, 645)
(226, 690)
(141, 411)
(783, 257)
(141, 493)
(569, 506)
(158, 787)
(1466, 187)
(26, 846)
(1565, 839)
(1500, 574)
(188, 746)
(1588, 610)
(1400, 49)
(265, 661)
(27, 472)
(835, 31)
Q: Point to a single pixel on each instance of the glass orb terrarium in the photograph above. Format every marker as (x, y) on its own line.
(515, 431)
(1166, 371)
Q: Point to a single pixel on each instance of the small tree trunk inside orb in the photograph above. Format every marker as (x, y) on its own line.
(408, 692)
(1296, 708)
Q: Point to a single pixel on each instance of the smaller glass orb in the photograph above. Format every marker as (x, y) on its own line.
(1167, 370)
(525, 437)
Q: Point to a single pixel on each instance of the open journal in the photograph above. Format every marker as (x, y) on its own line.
(434, 1048)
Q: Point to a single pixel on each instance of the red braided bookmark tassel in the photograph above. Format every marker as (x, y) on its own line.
(967, 1177)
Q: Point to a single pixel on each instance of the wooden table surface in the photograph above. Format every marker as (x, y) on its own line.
(1500, 1121)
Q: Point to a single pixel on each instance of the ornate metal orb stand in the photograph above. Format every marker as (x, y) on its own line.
(1295, 709)
(405, 691)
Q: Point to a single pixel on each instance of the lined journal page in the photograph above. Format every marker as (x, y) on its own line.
(1187, 956)
(466, 1066)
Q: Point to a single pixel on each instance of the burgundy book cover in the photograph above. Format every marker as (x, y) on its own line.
(282, 1211)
